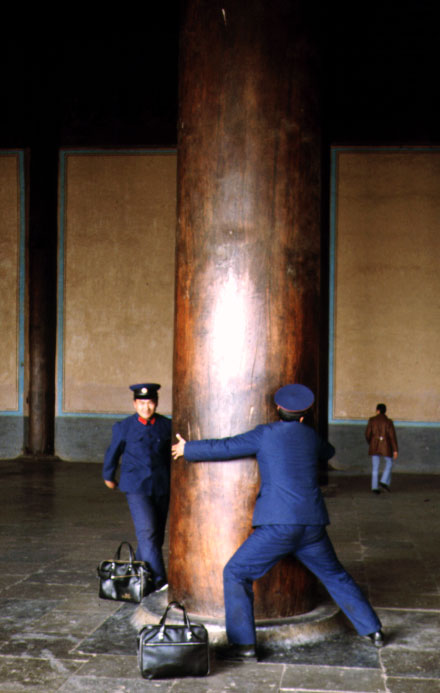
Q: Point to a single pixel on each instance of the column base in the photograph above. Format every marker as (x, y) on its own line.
(279, 633)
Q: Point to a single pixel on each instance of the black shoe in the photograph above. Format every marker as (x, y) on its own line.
(161, 587)
(238, 653)
(385, 486)
(377, 638)
(375, 490)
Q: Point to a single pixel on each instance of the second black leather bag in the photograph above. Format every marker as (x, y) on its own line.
(125, 581)
(171, 651)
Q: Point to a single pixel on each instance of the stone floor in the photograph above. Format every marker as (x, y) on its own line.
(57, 521)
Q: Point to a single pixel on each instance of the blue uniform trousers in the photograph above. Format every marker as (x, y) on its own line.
(149, 514)
(265, 547)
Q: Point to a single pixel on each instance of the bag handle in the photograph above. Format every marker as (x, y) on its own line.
(175, 605)
(130, 551)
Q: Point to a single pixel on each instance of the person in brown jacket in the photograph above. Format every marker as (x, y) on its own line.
(382, 440)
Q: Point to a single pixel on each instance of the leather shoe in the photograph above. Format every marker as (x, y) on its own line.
(377, 638)
(238, 653)
(385, 486)
(161, 587)
(375, 490)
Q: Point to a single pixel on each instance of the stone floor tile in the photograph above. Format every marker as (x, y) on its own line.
(78, 624)
(84, 602)
(234, 678)
(52, 575)
(28, 590)
(25, 611)
(410, 574)
(17, 571)
(39, 645)
(88, 684)
(411, 629)
(342, 650)
(24, 556)
(415, 663)
(115, 636)
(108, 666)
(383, 598)
(224, 678)
(45, 675)
(78, 642)
(392, 549)
(412, 685)
(331, 678)
(7, 581)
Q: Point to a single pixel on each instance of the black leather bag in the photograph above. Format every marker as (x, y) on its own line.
(172, 651)
(125, 581)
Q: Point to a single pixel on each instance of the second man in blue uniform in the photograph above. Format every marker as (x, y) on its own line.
(143, 440)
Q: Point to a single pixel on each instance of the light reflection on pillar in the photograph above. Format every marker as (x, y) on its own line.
(229, 323)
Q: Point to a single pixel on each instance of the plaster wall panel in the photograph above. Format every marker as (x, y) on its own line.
(116, 286)
(11, 282)
(386, 312)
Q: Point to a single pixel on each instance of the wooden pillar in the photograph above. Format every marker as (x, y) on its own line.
(248, 273)
(43, 188)
(42, 298)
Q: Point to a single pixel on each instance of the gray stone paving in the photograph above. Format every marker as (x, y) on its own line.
(57, 521)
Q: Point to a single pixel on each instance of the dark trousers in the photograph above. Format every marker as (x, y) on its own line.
(265, 547)
(149, 514)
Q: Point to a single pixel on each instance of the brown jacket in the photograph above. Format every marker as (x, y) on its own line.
(381, 436)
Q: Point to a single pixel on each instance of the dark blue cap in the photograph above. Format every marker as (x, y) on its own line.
(145, 390)
(294, 397)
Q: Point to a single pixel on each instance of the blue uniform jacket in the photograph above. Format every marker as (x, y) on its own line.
(146, 455)
(287, 455)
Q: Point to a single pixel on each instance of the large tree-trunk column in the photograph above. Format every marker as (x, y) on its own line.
(42, 299)
(248, 274)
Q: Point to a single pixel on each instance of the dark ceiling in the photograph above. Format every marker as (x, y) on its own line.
(380, 81)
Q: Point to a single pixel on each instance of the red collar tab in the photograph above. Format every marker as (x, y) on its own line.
(145, 422)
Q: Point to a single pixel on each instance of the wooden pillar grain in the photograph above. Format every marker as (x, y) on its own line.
(43, 187)
(248, 273)
(42, 297)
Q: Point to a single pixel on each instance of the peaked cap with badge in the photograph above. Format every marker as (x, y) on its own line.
(145, 390)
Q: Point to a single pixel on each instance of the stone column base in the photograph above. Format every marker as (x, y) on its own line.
(278, 633)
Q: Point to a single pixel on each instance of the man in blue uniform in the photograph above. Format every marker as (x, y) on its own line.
(290, 517)
(144, 441)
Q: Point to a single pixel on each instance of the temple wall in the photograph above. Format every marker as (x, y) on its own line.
(385, 310)
(117, 217)
(116, 289)
(13, 310)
